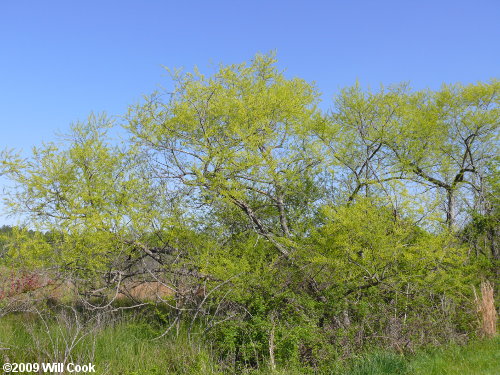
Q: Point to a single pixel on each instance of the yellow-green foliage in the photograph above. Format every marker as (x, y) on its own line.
(295, 235)
(367, 244)
(86, 193)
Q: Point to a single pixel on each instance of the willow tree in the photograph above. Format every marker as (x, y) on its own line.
(236, 139)
(352, 138)
(446, 139)
(89, 195)
(425, 140)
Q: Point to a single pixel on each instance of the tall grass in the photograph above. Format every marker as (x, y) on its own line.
(121, 348)
(486, 310)
(476, 358)
(131, 347)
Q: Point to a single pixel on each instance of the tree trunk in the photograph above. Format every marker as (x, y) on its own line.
(450, 208)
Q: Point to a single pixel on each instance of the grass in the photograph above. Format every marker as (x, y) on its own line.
(131, 347)
(124, 348)
(476, 358)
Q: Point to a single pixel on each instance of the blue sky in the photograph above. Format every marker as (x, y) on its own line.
(60, 60)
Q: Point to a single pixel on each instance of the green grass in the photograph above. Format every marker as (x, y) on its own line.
(476, 358)
(126, 348)
(130, 348)
(377, 363)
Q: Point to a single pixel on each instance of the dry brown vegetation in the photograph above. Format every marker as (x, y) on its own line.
(146, 291)
(486, 310)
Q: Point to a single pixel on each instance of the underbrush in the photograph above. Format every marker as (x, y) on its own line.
(115, 346)
(130, 344)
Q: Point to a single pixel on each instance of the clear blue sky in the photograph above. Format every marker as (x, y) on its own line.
(60, 60)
